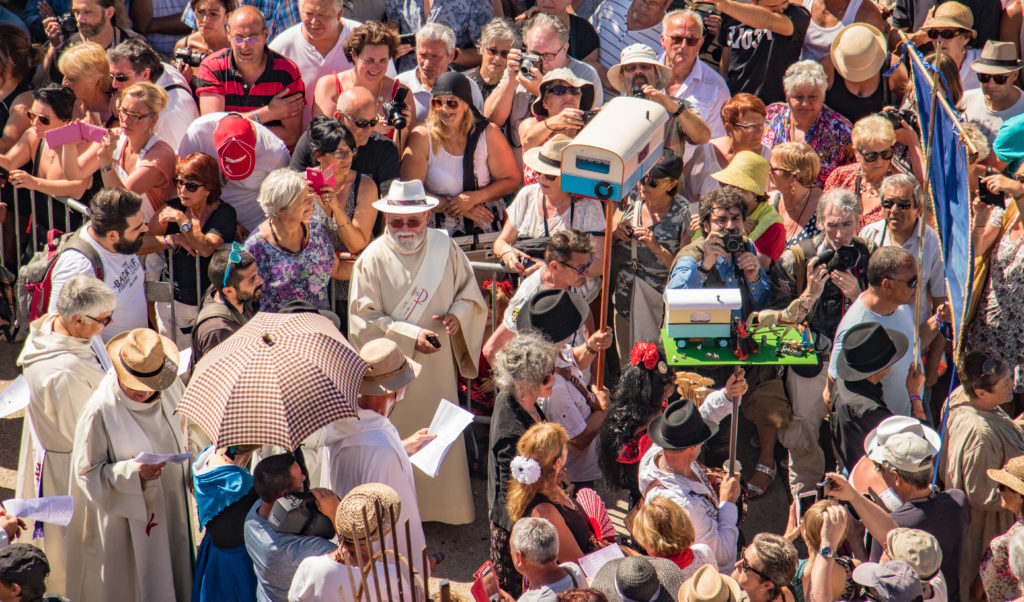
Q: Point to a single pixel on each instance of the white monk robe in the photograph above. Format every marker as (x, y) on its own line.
(380, 278)
(135, 544)
(61, 372)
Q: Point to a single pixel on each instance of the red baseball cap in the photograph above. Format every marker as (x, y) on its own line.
(235, 139)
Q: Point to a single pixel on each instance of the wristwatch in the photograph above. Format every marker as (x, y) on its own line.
(185, 226)
(826, 552)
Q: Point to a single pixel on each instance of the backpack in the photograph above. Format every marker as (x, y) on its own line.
(33, 286)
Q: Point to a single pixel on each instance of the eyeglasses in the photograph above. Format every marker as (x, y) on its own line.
(912, 283)
(189, 186)
(104, 321)
(494, 51)
(778, 172)
(721, 219)
(235, 256)
(945, 34)
(409, 222)
(547, 57)
(579, 270)
(758, 125)
(363, 123)
(637, 67)
(120, 77)
(899, 203)
(561, 90)
(43, 119)
(746, 568)
(126, 115)
(248, 41)
(690, 41)
(999, 79)
(451, 103)
(341, 153)
(871, 156)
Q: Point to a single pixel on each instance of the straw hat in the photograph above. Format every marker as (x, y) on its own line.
(547, 159)
(1011, 474)
(950, 15)
(858, 52)
(747, 170)
(406, 197)
(348, 519)
(997, 58)
(563, 74)
(638, 53)
(389, 369)
(708, 585)
(144, 360)
(639, 578)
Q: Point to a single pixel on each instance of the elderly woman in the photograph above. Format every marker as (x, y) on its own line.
(453, 137)
(524, 371)
(874, 141)
(766, 567)
(496, 39)
(563, 100)
(370, 48)
(210, 223)
(805, 118)
(664, 530)
(211, 33)
(293, 252)
(648, 232)
(1000, 581)
(86, 71)
(543, 208)
(810, 528)
(794, 170)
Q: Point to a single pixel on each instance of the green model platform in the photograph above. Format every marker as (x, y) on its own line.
(710, 353)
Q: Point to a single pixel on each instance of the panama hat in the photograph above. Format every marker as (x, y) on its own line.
(708, 585)
(348, 519)
(144, 360)
(563, 74)
(547, 159)
(950, 15)
(867, 349)
(1011, 474)
(917, 548)
(389, 370)
(747, 170)
(406, 197)
(858, 52)
(997, 58)
(638, 53)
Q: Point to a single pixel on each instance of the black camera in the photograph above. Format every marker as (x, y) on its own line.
(988, 197)
(297, 513)
(529, 60)
(68, 24)
(587, 116)
(637, 92)
(394, 111)
(842, 259)
(900, 116)
(192, 58)
(733, 243)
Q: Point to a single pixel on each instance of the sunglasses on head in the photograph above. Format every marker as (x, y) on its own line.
(945, 34)
(579, 270)
(43, 119)
(690, 41)
(235, 256)
(451, 103)
(875, 155)
(897, 202)
(363, 123)
(561, 90)
(999, 79)
(189, 186)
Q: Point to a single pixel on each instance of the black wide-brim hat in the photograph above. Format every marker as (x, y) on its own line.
(680, 426)
(867, 349)
(555, 313)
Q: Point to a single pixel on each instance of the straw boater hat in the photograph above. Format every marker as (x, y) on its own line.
(547, 159)
(144, 360)
(858, 52)
(1011, 474)
(747, 170)
(563, 74)
(348, 519)
(708, 585)
(406, 197)
(389, 369)
(997, 58)
(638, 53)
(950, 15)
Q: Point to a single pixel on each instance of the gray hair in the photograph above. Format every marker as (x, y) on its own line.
(526, 360)
(840, 200)
(903, 181)
(338, 4)
(499, 28)
(804, 73)
(279, 190)
(978, 139)
(84, 295)
(436, 31)
(536, 539)
(1016, 549)
(549, 21)
(684, 12)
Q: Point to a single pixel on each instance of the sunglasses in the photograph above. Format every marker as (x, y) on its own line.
(249, 41)
(650, 180)
(451, 103)
(871, 156)
(999, 79)
(104, 321)
(637, 67)
(561, 90)
(189, 186)
(749, 126)
(410, 222)
(912, 283)
(746, 568)
(120, 77)
(136, 116)
(494, 51)
(945, 34)
(235, 256)
(579, 270)
(691, 42)
(899, 203)
(43, 119)
(548, 177)
(363, 123)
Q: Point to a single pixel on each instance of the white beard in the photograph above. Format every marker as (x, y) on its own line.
(407, 241)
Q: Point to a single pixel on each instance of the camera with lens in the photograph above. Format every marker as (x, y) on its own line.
(637, 92)
(529, 61)
(68, 24)
(900, 116)
(192, 58)
(842, 259)
(587, 116)
(394, 111)
(297, 513)
(733, 243)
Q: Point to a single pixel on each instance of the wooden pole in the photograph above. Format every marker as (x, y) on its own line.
(358, 545)
(410, 558)
(734, 428)
(369, 547)
(609, 214)
(383, 549)
(398, 564)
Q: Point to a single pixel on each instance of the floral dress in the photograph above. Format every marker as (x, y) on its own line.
(303, 276)
(829, 136)
(999, 582)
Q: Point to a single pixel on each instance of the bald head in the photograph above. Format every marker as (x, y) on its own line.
(247, 16)
(357, 104)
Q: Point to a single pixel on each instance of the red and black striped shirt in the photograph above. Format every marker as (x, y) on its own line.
(218, 75)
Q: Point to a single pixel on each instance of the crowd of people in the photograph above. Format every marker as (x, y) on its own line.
(360, 159)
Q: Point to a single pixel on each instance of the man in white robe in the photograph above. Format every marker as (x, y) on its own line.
(63, 362)
(415, 286)
(134, 543)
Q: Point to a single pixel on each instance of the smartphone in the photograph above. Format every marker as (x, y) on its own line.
(805, 500)
(488, 590)
(821, 490)
(527, 261)
(990, 198)
(434, 341)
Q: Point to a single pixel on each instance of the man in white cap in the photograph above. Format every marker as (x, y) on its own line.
(415, 286)
(367, 449)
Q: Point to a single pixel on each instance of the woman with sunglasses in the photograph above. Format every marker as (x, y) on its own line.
(794, 170)
(195, 224)
(560, 108)
(766, 568)
(453, 137)
(815, 530)
(952, 24)
(996, 576)
(496, 39)
(211, 33)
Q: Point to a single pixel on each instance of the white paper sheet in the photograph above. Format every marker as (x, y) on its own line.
(184, 359)
(14, 397)
(149, 458)
(448, 423)
(56, 510)
(592, 562)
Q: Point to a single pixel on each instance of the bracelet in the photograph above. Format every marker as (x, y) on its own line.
(590, 350)
(256, 117)
(502, 256)
(168, 242)
(106, 168)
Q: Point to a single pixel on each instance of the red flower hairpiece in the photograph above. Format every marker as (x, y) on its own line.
(644, 353)
(504, 286)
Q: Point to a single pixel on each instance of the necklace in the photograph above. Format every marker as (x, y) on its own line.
(302, 242)
(796, 227)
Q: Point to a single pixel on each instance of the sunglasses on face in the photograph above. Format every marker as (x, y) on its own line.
(235, 256)
(912, 283)
(999, 79)
(871, 156)
(409, 222)
(247, 41)
(579, 270)
(363, 123)
(634, 68)
(189, 186)
(746, 568)
(126, 115)
(43, 119)
(104, 321)
(650, 181)
(451, 103)
(120, 77)
(561, 90)
(899, 203)
(548, 177)
(495, 52)
(689, 41)
(945, 34)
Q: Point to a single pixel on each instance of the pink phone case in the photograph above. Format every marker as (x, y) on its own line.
(93, 133)
(64, 135)
(315, 177)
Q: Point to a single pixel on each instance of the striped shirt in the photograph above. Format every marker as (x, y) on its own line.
(279, 15)
(219, 75)
(609, 21)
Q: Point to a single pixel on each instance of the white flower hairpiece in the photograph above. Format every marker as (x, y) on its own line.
(525, 470)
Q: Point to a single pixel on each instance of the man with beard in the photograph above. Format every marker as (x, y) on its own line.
(236, 288)
(95, 20)
(415, 286)
(115, 233)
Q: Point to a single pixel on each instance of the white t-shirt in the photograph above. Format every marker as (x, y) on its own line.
(549, 592)
(527, 289)
(568, 407)
(987, 120)
(894, 385)
(422, 95)
(321, 579)
(123, 273)
(526, 214)
(932, 267)
(181, 108)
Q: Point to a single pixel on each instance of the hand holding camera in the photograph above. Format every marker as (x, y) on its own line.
(566, 119)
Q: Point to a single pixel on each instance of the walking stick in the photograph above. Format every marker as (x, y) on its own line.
(734, 427)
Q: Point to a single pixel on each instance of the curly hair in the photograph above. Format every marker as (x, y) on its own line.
(370, 33)
(636, 398)
(524, 363)
(543, 442)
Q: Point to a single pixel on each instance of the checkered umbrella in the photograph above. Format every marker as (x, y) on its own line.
(275, 381)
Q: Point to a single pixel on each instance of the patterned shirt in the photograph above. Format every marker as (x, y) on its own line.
(219, 75)
(305, 275)
(829, 136)
(465, 17)
(280, 15)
